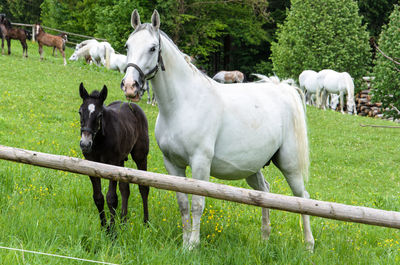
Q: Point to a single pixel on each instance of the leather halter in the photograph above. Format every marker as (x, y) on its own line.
(90, 130)
(160, 63)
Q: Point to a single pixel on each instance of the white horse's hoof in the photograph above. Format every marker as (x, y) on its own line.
(310, 245)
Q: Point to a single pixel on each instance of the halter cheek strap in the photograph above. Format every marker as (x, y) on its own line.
(153, 72)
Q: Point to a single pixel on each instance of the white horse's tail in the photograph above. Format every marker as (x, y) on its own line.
(300, 127)
(349, 89)
(107, 56)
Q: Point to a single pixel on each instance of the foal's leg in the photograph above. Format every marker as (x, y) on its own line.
(40, 51)
(9, 45)
(2, 45)
(112, 202)
(183, 202)
(63, 55)
(24, 48)
(98, 198)
(258, 182)
(144, 190)
(125, 192)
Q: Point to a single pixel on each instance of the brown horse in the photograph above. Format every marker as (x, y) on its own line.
(65, 38)
(50, 40)
(8, 33)
(229, 77)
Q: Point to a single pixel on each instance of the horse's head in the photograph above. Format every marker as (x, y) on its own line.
(37, 29)
(91, 112)
(74, 56)
(351, 107)
(143, 55)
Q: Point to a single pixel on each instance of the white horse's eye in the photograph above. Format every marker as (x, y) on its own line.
(152, 49)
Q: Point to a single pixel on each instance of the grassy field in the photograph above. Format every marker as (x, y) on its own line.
(53, 211)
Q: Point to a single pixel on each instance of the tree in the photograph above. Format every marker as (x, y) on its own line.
(376, 14)
(386, 72)
(216, 33)
(21, 11)
(322, 34)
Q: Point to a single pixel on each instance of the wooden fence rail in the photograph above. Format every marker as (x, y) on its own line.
(324, 209)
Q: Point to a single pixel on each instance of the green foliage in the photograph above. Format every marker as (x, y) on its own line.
(376, 13)
(200, 28)
(22, 11)
(73, 16)
(387, 82)
(322, 34)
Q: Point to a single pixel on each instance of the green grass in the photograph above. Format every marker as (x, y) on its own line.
(53, 211)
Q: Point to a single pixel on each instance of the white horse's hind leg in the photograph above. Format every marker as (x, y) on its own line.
(290, 169)
(183, 202)
(258, 182)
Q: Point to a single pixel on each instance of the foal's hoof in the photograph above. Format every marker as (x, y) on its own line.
(111, 233)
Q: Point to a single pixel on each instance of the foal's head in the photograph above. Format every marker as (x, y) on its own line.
(91, 112)
(37, 29)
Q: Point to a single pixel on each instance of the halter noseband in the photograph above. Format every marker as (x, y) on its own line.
(160, 63)
(90, 130)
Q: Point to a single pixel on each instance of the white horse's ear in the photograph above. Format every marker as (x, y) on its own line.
(155, 20)
(135, 19)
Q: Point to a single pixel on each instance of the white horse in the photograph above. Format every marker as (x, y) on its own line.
(309, 84)
(341, 84)
(100, 53)
(117, 62)
(84, 43)
(229, 77)
(229, 131)
(83, 51)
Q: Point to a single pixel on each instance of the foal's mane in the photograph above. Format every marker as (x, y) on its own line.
(6, 22)
(95, 94)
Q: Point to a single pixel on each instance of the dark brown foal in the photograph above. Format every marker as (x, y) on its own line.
(108, 135)
(8, 33)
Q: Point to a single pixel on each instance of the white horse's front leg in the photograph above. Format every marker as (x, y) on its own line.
(201, 171)
(183, 202)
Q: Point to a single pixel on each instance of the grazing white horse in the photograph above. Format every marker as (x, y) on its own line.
(117, 62)
(342, 84)
(229, 131)
(229, 77)
(308, 81)
(83, 52)
(100, 53)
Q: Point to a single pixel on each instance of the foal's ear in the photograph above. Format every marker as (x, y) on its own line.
(155, 20)
(82, 92)
(135, 19)
(103, 93)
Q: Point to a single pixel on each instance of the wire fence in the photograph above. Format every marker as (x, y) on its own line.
(73, 38)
